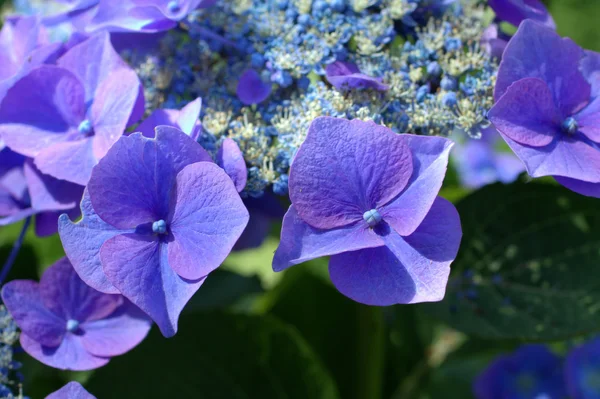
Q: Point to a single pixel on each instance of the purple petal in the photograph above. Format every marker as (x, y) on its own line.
(58, 99)
(69, 355)
(46, 223)
(588, 120)
(231, 159)
(251, 89)
(526, 113)
(82, 242)
(65, 294)
(515, 11)
(165, 117)
(15, 217)
(132, 184)
(139, 268)
(590, 67)
(561, 158)
(301, 242)
(48, 193)
(126, 15)
(187, 119)
(117, 334)
(346, 76)
(72, 161)
(345, 168)
(23, 301)
(113, 106)
(407, 269)
(93, 62)
(430, 161)
(73, 390)
(539, 52)
(208, 218)
(580, 187)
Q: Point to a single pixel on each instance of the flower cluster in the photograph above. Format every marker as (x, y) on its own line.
(533, 371)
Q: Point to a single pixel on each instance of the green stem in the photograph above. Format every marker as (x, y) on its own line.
(371, 352)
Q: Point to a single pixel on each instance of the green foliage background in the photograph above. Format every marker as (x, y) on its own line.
(251, 333)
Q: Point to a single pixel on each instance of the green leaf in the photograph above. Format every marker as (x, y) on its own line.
(528, 264)
(218, 356)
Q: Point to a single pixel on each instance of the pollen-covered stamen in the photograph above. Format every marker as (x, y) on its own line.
(173, 6)
(570, 126)
(372, 217)
(85, 127)
(72, 325)
(159, 227)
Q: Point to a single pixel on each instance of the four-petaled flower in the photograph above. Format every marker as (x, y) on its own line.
(82, 106)
(368, 197)
(68, 325)
(531, 372)
(158, 217)
(547, 111)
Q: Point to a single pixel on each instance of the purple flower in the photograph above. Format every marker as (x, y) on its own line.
(346, 76)
(531, 372)
(251, 89)
(22, 47)
(158, 217)
(547, 111)
(516, 11)
(25, 191)
(582, 371)
(368, 197)
(73, 390)
(478, 163)
(185, 120)
(82, 106)
(143, 15)
(68, 325)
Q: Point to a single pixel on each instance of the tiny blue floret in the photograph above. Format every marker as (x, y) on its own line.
(569, 126)
(159, 227)
(173, 6)
(72, 325)
(372, 217)
(85, 127)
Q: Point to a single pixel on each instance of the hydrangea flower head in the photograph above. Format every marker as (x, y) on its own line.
(22, 47)
(531, 372)
(346, 75)
(143, 15)
(82, 106)
(516, 11)
(582, 371)
(73, 390)
(158, 217)
(545, 109)
(68, 325)
(368, 197)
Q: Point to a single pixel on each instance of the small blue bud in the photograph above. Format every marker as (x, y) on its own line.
(304, 19)
(449, 99)
(85, 127)
(372, 217)
(72, 325)
(159, 227)
(257, 60)
(434, 69)
(173, 6)
(570, 126)
(448, 83)
(452, 44)
(280, 186)
(421, 93)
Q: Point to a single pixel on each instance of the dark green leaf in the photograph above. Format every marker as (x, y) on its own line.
(528, 264)
(218, 356)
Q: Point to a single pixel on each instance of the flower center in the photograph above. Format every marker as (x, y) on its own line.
(85, 127)
(72, 325)
(173, 6)
(159, 227)
(569, 126)
(372, 217)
